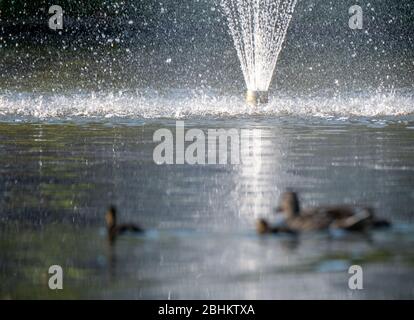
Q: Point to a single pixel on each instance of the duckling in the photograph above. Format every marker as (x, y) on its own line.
(320, 218)
(115, 230)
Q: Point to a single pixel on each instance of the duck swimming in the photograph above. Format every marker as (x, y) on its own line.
(321, 218)
(114, 229)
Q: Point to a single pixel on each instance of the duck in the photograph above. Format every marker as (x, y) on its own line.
(114, 229)
(296, 219)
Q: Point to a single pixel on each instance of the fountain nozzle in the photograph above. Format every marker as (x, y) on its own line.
(257, 97)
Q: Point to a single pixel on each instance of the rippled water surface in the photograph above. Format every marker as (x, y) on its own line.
(56, 180)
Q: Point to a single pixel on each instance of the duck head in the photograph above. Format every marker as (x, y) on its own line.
(289, 204)
(110, 217)
(262, 226)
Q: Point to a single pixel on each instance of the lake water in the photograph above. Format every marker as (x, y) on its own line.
(58, 177)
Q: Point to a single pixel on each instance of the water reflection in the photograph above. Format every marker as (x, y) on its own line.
(254, 178)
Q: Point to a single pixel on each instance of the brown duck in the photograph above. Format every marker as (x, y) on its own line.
(321, 218)
(114, 229)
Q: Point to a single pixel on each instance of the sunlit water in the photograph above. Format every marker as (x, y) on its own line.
(58, 178)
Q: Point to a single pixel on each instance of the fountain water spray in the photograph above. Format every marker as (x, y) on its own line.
(258, 28)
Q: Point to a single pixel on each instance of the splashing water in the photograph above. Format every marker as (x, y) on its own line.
(181, 104)
(258, 28)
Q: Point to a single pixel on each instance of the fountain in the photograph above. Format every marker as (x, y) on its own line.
(258, 28)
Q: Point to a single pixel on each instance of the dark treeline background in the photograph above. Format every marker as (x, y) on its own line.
(187, 41)
(127, 19)
(34, 8)
(173, 19)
